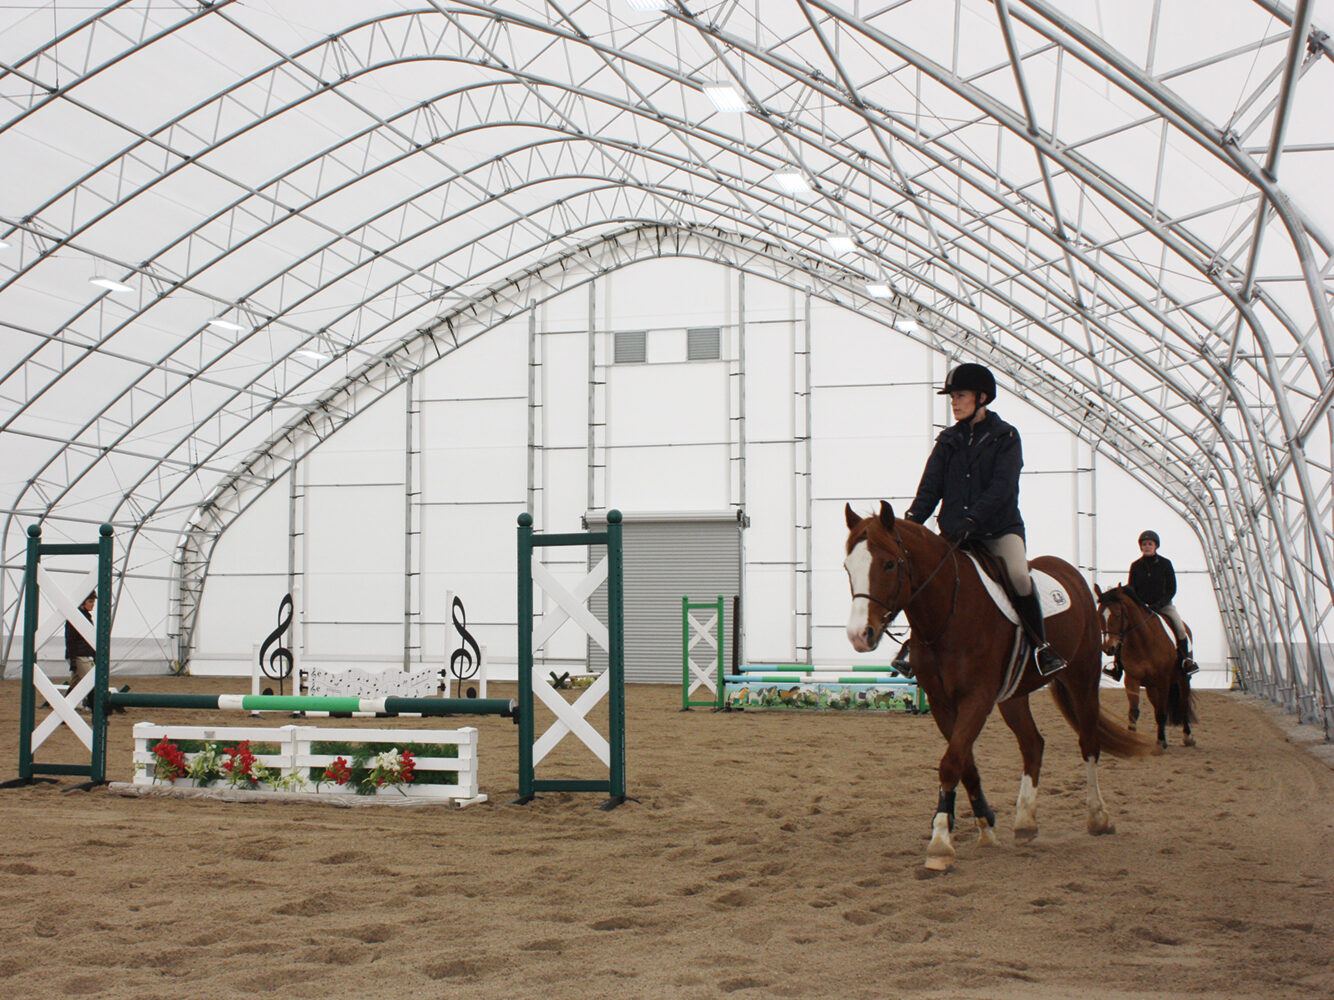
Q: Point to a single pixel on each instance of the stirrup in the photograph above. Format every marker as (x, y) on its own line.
(901, 664)
(1115, 673)
(1189, 666)
(1048, 660)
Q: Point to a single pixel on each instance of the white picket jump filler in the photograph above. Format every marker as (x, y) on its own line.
(571, 717)
(64, 707)
(702, 675)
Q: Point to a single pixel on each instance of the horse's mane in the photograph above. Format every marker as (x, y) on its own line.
(1120, 594)
(872, 525)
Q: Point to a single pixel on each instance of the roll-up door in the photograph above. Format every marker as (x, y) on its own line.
(666, 557)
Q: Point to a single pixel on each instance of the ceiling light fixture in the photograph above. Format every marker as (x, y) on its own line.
(312, 355)
(792, 181)
(110, 284)
(725, 97)
(648, 4)
(226, 324)
(905, 325)
(4, 245)
(879, 290)
(841, 243)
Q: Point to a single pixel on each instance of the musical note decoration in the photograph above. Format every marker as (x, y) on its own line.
(278, 664)
(462, 663)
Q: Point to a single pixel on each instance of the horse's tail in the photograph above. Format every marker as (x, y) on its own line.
(1180, 705)
(1113, 737)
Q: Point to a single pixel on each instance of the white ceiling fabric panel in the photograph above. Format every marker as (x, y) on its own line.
(1121, 207)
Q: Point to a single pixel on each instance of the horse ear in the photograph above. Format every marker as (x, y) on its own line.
(852, 518)
(886, 515)
(1097, 590)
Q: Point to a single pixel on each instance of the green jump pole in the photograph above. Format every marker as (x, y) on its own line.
(314, 703)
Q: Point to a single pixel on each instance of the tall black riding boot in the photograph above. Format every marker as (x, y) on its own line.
(1030, 610)
(1183, 657)
(901, 663)
(1116, 670)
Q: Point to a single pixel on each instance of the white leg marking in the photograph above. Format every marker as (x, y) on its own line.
(1026, 811)
(1100, 821)
(940, 852)
(858, 565)
(986, 834)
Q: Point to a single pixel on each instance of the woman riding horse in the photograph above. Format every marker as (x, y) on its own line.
(973, 473)
(964, 652)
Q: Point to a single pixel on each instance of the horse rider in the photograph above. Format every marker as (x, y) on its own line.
(973, 473)
(1154, 582)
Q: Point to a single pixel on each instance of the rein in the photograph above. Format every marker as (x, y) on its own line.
(1121, 635)
(887, 618)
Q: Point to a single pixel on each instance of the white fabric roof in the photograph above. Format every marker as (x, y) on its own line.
(1123, 207)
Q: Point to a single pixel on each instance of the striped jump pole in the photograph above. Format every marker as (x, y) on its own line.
(506, 707)
(814, 678)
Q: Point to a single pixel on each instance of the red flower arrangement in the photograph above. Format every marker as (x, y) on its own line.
(338, 772)
(168, 761)
(241, 766)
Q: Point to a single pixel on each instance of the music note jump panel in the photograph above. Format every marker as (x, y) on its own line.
(572, 717)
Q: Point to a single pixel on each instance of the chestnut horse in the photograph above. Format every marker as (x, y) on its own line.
(961, 647)
(1146, 647)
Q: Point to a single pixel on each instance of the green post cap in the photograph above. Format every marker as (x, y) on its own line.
(613, 517)
(107, 529)
(34, 531)
(525, 520)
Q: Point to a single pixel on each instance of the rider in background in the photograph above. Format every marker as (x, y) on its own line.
(973, 473)
(1155, 583)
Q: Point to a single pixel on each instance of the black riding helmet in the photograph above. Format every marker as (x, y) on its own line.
(978, 378)
(1150, 536)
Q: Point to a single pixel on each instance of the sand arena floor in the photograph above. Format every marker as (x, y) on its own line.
(769, 855)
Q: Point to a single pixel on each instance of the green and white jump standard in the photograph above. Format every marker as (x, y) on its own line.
(571, 717)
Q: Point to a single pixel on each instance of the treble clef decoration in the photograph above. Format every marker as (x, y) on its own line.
(279, 664)
(463, 664)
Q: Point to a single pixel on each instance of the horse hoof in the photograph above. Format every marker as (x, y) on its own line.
(1025, 836)
(1131, 727)
(986, 834)
(938, 863)
(1162, 744)
(1100, 825)
(1189, 741)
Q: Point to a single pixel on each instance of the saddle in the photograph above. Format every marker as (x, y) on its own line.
(1052, 598)
(1052, 595)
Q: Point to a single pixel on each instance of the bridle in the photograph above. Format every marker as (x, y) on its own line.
(1121, 634)
(905, 563)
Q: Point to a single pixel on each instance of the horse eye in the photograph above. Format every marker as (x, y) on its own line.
(889, 564)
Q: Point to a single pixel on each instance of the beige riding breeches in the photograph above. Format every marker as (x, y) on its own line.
(1010, 550)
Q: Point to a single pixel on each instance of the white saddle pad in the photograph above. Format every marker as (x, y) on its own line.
(1052, 596)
